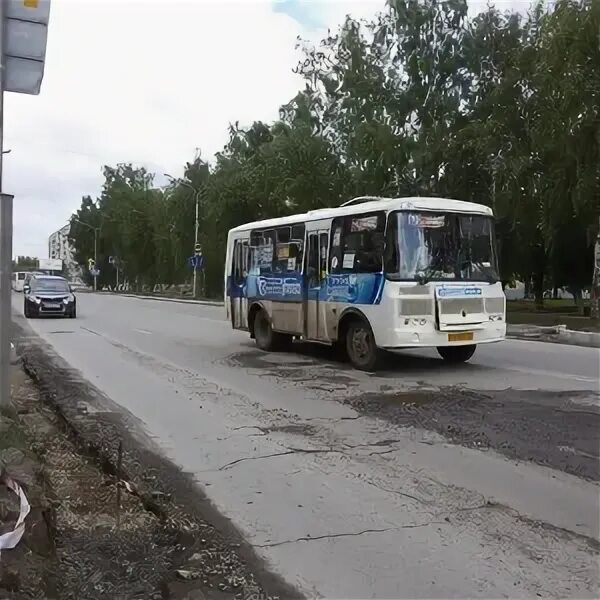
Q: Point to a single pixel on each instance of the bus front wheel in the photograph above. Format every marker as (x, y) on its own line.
(360, 346)
(456, 354)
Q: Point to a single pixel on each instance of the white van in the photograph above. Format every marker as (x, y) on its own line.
(18, 279)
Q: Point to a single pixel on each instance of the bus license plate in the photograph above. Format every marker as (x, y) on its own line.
(463, 336)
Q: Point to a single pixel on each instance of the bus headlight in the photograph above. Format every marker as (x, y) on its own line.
(418, 322)
(496, 317)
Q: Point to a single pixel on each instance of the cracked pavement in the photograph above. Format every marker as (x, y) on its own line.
(419, 481)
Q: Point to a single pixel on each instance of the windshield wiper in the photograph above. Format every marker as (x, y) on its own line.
(425, 276)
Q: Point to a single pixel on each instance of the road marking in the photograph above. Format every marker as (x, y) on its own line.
(145, 331)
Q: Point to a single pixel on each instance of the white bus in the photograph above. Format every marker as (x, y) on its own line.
(374, 274)
(18, 280)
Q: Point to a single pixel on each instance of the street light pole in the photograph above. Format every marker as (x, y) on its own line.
(196, 223)
(195, 284)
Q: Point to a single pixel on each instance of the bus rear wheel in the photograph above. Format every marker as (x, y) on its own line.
(360, 346)
(267, 339)
(457, 354)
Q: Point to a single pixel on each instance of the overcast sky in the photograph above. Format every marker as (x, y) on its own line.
(148, 82)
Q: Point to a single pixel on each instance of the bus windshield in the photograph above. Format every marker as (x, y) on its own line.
(427, 246)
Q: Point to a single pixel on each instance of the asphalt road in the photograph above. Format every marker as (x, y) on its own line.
(420, 481)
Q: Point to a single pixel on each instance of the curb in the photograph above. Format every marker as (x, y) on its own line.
(558, 334)
(163, 299)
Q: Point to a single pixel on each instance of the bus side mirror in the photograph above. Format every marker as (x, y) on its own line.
(26, 289)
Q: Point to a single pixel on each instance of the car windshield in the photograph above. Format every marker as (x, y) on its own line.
(50, 285)
(425, 246)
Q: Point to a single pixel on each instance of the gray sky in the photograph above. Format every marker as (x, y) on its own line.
(148, 82)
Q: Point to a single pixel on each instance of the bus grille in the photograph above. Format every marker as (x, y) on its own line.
(415, 307)
(455, 306)
(494, 305)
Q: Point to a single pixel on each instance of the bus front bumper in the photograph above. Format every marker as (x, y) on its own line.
(426, 335)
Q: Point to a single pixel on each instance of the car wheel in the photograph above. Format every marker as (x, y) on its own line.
(73, 313)
(361, 347)
(456, 354)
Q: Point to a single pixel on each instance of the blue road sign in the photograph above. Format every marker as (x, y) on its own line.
(196, 262)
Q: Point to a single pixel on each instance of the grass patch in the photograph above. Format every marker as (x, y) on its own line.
(564, 306)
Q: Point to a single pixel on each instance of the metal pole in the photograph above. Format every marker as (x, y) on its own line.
(6, 220)
(195, 245)
(6, 224)
(595, 291)
(95, 258)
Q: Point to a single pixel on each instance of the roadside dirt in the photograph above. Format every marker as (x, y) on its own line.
(126, 523)
(89, 535)
(29, 570)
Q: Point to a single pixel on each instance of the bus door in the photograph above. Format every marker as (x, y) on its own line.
(237, 288)
(315, 282)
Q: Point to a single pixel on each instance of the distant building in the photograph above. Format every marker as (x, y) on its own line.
(59, 247)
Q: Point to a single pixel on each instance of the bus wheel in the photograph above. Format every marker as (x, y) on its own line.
(263, 332)
(456, 354)
(360, 346)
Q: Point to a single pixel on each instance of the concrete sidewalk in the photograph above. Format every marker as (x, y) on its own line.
(558, 334)
(160, 298)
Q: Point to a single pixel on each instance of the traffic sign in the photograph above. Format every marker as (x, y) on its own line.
(198, 249)
(196, 262)
(94, 272)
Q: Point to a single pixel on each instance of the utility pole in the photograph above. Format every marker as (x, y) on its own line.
(196, 224)
(95, 259)
(196, 250)
(6, 224)
(595, 295)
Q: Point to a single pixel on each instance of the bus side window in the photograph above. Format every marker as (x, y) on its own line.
(336, 251)
(240, 261)
(312, 270)
(357, 243)
(390, 256)
(323, 256)
(288, 252)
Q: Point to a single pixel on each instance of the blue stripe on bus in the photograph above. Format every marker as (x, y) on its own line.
(349, 288)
